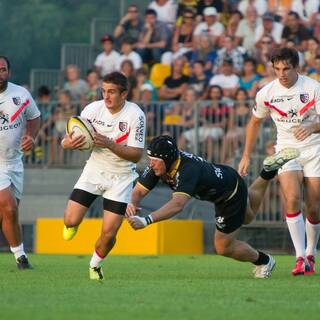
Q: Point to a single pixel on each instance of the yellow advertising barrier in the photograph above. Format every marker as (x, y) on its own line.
(167, 237)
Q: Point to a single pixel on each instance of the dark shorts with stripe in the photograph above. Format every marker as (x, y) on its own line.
(230, 214)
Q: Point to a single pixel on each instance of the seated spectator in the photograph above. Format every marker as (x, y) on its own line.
(229, 51)
(186, 4)
(154, 39)
(144, 84)
(166, 11)
(245, 33)
(263, 53)
(182, 37)
(313, 50)
(305, 9)
(249, 78)
(279, 9)
(213, 124)
(238, 118)
(203, 4)
(315, 71)
(175, 84)
(211, 26)
(315, 23)
(199, 80)
(106, 61)
(180, 115)
(295, 31)
(58, 122)
(269, 27)
(204, 51)
(77, 87)
(127, 69)
(260, 6)
(130, 26)
(94, 85)
(233, 23)
(127, 53)
(227, 79)
(268, 75)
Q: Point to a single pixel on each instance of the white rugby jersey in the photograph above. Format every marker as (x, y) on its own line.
(16, 106)
(127, 127)
(289, 108)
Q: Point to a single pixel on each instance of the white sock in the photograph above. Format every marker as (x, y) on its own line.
(296, 228)
(18, 251)
(312, 231)
(96, 260)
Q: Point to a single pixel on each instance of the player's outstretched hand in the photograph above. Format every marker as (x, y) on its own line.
(27, 143)
(70, 142)
(243, 166)
(137, 222)
(131, 210)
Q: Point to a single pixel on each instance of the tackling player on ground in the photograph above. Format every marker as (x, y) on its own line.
(110, 170)
(293, 103)
(19, 126)
(191, 176)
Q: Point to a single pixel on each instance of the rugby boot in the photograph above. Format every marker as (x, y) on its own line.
(96, 273)
(23, 263)
(69, 233)
(277, 160)
(300, 267)
(309, 269)
(264, 271)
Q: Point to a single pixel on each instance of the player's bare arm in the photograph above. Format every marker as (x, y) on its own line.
(252, 131)
(302, 133)
(70, 142)
(138, 193)
(32, 129)
(125, 152)
(167, 211)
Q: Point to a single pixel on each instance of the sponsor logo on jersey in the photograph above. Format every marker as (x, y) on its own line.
(16, 101)
(304, 97)
(275, 100)
(4, 117)
(293, 113)
(220, 222)
(99, 122)
(139, 134)
(123, 126)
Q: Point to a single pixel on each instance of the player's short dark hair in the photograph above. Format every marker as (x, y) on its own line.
(118, 79)
(7, 61)
(285, 54)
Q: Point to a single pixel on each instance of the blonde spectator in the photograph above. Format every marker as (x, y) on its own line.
(77, 87)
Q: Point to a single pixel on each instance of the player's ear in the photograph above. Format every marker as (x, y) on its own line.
(124, 94)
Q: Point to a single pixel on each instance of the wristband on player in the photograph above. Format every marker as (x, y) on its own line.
(148, 219)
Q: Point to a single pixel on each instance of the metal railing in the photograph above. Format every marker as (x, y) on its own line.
(51, 78)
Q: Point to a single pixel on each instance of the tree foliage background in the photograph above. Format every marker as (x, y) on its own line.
(32, 31)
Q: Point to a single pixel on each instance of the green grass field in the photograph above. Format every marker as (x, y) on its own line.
(170, 287)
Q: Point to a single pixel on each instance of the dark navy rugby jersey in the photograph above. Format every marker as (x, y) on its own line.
(196, 178)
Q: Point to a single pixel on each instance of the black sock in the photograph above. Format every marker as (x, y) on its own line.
(268, 175)
(263, 259)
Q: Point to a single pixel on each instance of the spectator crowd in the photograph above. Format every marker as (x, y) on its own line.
(190, 62)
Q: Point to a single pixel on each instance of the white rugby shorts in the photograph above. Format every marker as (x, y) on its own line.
(12, 175)
(116, 187)
(308, 162)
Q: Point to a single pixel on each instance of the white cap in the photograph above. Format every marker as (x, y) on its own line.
(146, 86)
(210, 11)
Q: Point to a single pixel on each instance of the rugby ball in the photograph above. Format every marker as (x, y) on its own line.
(81, 126)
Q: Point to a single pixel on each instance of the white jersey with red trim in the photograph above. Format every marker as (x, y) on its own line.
(16, 106)
(289, 108)
(127, 127)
